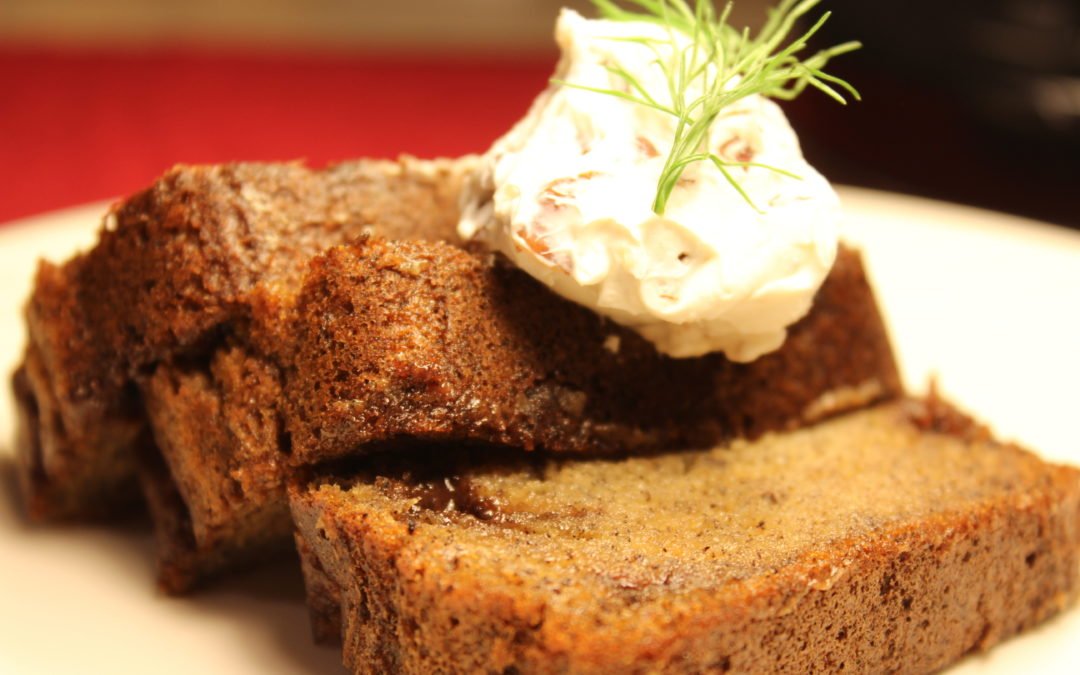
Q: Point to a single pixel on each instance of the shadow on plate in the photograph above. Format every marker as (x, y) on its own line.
(267, 602)
(273, 596)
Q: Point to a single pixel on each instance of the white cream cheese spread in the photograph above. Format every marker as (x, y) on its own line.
(567, 196)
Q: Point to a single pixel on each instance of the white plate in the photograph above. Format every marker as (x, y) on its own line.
(988, 302)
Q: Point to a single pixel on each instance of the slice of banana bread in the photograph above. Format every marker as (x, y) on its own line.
(895, 539)
(175, 262)
(174, 268)
(425, 340)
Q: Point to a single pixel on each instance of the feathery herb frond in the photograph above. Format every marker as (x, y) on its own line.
(708, 65)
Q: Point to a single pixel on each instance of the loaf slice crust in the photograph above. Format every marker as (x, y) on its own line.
(895, 539)
(175, 267)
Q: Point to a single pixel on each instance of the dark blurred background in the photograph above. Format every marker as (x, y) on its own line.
(973, 101)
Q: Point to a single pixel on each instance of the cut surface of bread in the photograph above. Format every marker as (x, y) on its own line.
(895, 539)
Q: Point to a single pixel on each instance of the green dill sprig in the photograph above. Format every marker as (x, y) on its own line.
(716, 67)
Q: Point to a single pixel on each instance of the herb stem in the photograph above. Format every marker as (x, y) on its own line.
(708, 65)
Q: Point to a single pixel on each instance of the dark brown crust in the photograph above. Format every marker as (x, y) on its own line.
(911, 595)
(178, 565)
(177, 261)
(423, 340)
(177, 266)
(27, 443)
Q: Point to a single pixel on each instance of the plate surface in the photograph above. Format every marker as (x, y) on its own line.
(988, 303)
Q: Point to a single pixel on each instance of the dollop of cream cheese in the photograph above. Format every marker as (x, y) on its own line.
(567, 196)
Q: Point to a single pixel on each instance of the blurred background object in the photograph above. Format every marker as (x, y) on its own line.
(428, 25)
(973, 100)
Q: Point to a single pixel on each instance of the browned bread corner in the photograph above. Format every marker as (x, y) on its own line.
(175, 267)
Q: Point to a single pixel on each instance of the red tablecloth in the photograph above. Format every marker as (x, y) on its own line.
(85, 125)
(77, 126)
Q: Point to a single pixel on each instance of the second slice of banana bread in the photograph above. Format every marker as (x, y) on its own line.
(895, 539)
